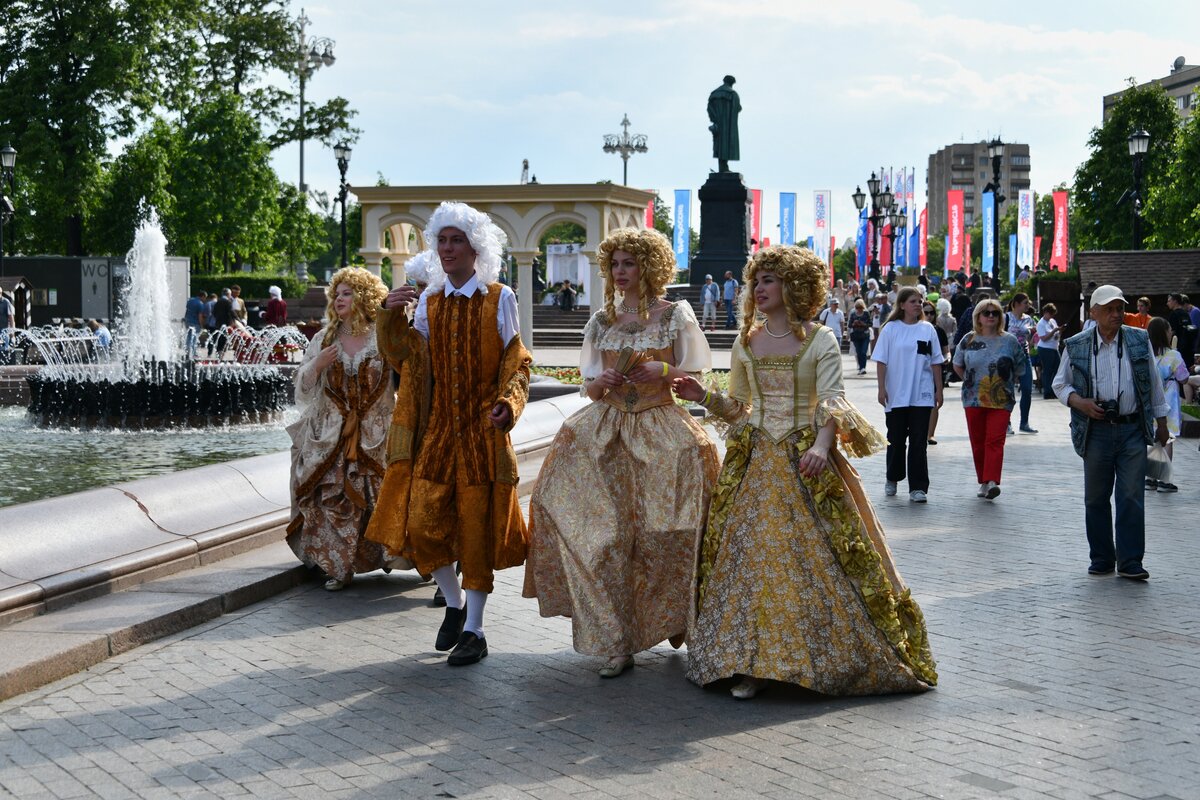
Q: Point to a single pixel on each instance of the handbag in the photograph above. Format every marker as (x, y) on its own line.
(1158, 464)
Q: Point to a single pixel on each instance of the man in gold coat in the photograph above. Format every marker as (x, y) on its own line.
(450, 491)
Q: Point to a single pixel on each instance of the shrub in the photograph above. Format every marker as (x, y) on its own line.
(254, 284)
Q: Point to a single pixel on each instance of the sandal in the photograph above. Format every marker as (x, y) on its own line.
(334, 585)
(615, 666)
(748, 688)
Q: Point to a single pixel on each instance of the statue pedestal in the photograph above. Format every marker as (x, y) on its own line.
(724, 228)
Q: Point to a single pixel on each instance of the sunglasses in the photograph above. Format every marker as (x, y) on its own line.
(991, 312)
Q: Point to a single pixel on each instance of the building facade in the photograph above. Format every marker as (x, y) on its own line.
(966, 166)
(1181, 85)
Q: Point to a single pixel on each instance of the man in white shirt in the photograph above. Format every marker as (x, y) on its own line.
(710, 293)
(1108, 379)
(834, 319)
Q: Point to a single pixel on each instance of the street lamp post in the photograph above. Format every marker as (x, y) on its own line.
(996, 153)
(311, 54)
(1139, 143)
(626, 145)
(8, 162)
(899, 220)
(341, 152)
(881, 204)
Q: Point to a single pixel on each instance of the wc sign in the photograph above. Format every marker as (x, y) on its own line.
(95, 288)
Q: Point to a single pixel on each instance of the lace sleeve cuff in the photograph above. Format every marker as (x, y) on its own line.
(857, 436)
(726, 408)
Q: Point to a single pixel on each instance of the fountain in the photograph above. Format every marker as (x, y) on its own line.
(150, 380)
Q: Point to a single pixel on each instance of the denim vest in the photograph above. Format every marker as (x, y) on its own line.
(1079, 353)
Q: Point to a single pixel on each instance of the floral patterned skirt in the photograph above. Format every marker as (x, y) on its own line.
(797, 583)
(615, 523)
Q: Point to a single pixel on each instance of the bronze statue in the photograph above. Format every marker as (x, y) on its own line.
(723, 109)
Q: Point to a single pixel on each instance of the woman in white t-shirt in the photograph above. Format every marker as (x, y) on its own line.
(908, 361)
(1048, 332)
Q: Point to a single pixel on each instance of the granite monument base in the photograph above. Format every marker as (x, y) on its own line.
(724, 227)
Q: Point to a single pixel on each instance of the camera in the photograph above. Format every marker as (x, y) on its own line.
(1110, 410)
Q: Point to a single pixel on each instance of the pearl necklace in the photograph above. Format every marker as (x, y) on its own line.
(345, 330)
(626, 309)
(767, 328)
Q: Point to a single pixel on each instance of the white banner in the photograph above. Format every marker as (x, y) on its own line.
(821, 199)
(565, 261)
(1025, 228)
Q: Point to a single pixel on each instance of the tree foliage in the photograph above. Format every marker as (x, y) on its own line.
(1108, 172)
(1173, 207)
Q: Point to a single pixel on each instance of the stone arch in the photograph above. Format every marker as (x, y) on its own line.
(543, 223)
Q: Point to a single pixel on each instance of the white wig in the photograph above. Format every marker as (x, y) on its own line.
(487, 240)
(275, 292)
(422, 267)
(943, 305)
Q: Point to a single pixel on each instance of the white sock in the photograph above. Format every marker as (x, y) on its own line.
(447, 581)
(476, 600)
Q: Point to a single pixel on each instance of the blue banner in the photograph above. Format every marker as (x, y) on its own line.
(683, 231)
(989, 221)
(860, 240)
(914, 247)
(787, 217)
(810, 243)
(1012, 258)
(946, 258)
(900, 252)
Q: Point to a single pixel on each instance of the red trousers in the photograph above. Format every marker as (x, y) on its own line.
(988, 428)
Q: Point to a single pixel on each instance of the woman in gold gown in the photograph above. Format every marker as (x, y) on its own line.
(345, 397)
(796, 580)
(618, 510)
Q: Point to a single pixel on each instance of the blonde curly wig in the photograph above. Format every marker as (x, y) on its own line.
(805, 280)
(656, 267)
(369, 293)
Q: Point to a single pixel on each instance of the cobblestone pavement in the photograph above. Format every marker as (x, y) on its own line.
(1053, 684)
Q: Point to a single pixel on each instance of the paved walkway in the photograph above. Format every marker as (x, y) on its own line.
(1053, 684)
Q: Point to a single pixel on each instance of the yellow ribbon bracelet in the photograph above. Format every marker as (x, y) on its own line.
(666, 369)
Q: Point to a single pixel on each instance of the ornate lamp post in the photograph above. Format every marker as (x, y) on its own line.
(311, 54)
(996, 153)
(8, 163)
(881, 204)
(341, 151)
(1139, 143)
(626, 145)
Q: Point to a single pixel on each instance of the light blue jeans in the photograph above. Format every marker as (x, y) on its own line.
(1115, 454)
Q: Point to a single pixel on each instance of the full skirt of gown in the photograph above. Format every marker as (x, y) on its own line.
(615, 524)
(797, 583)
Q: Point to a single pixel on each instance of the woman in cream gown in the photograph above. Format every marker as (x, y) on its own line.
(618, 510)
(796, 580)
(344, 392)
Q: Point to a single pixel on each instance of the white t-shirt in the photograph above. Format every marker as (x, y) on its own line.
(834, 320)
(1046, 338)
(909, 351)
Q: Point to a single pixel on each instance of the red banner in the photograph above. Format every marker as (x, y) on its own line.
(650, 215)
(755, 217)
(954, 225)
(885, 247)
(1058, 250)
(923, 241)
(832, 250)
(967, 252)
(1037, 251)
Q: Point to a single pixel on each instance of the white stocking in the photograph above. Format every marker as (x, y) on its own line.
(476, 600)
(447, 581)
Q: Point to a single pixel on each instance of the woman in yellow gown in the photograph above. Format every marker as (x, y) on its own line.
(796, 581)
(619, 507)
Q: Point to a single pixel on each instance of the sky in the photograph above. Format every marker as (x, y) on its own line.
(461, 93)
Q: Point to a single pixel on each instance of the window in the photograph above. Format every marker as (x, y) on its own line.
(968, 218)
(983, 161)
(1019, 161)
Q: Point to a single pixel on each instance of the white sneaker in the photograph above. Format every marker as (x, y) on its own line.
(889, 488)
(982, 490)
(992, 490)
(917, 496)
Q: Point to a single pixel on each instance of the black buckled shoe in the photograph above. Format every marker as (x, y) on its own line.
(470, 649)
(451, 630)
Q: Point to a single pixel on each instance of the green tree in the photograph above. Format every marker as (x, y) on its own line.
(301, 235)
(843, 265)
(227, 194)
(1104, 177)
(1173, 208)
(140, 176)
(73, 76)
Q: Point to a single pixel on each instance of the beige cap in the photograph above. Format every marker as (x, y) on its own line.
(1106, 294)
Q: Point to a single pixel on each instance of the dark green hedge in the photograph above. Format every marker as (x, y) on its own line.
(254, 285)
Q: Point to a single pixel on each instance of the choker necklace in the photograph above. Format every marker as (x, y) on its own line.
(345, 330)
(767, 328)
(627, 310)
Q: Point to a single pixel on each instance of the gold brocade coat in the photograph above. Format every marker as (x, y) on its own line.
(420, 422)
(797, 583)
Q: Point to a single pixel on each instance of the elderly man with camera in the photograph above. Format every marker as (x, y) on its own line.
(1108, 379)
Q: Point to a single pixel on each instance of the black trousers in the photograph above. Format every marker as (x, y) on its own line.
(907, 435)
